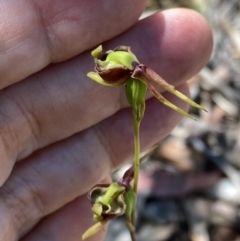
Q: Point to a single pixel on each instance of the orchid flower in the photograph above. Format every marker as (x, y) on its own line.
(119, 66)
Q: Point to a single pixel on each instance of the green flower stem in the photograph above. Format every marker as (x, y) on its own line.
(133, 235)
(136, 125)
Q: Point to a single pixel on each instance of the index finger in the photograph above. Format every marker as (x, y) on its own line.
(36, 33)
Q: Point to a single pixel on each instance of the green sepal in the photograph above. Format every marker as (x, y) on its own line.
(135, 92)
(130, 198)
(122, 58)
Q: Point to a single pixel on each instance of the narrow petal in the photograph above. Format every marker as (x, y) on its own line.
(186, 99)
(93, 230)
(165, 101)
(151, 75)
(169, 104)
(162, 83)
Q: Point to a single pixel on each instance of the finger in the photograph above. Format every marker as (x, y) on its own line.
(176, 43)
(68, 223)
(58, 174)
(35, 33)
(60, 101)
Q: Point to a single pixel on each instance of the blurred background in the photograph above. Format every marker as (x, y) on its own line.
(189, 186)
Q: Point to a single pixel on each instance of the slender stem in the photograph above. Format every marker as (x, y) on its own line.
(133, 235)
(136, 125)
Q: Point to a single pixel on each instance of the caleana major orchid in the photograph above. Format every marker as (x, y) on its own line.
(116, 68)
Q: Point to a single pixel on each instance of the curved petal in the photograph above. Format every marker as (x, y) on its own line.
(96, 77)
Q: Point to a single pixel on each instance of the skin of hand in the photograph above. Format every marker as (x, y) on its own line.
(60, 132)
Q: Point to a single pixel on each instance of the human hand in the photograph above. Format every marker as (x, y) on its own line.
(60, 133)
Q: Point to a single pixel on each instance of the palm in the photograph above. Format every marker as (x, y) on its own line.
(61, 133)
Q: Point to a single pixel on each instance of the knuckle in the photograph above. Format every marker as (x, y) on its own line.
(23, 201)
(19, 129)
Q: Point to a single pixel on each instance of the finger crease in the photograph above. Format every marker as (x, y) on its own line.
(106, 147)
